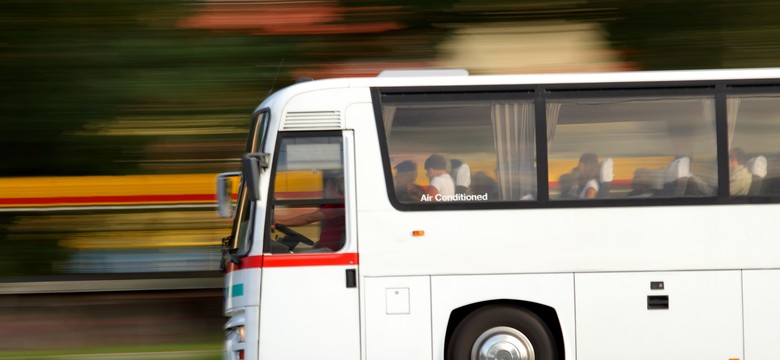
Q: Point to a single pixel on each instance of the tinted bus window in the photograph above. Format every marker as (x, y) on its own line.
(309, 194)
(461, 151)
(754, 133)
(624, 147)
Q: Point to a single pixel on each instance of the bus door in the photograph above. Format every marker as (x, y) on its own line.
(309, 305)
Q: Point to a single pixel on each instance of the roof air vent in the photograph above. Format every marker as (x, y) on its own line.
(313, 120)
(424, 72)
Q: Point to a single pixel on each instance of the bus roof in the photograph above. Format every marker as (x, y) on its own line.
(407, 78)
(569, 78)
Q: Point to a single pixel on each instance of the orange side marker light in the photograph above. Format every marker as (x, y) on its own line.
(418, 233)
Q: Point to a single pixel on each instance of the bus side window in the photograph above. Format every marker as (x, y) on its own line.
(488, 146)
(309, 214)
(639, 135)
(753, 146)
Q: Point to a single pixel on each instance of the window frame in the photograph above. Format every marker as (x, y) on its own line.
(256, 138)
(746, 89)
(669, 92)
(272, 202)
(427, 94)
(718, 90)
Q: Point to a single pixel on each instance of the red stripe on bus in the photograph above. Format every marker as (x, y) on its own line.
(295, 260)
(113, 199)
(249, 262)
(289, 260)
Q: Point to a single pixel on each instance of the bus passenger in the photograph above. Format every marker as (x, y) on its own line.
(484, 184)
(568, 184)
(739, 178)
(589, 176)
(406, 190)
(441, 184)
(583, 181)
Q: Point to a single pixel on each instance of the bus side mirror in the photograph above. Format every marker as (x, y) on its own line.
(225, 193)
(252, 165)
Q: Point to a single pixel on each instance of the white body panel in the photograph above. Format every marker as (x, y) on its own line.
(762, 314)
(243, 288)
(655, 238)
(308, 313)
(398, 318)
(325, 310)
(703, 321)
(549, 240)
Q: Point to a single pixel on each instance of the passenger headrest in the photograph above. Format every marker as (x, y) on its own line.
(757, 166)
(463, 175)
(679, 169)
(605, 173)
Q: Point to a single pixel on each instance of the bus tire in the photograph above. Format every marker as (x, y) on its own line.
(501, 332)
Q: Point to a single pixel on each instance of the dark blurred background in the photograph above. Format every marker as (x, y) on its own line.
(108, 107)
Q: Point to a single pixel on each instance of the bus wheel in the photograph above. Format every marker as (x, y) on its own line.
(500, 332)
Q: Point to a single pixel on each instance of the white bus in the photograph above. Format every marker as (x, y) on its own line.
(437, 215)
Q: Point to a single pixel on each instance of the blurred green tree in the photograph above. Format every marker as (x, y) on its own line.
(89, 84)
(90, 87)
(58, 74)
(693, 34)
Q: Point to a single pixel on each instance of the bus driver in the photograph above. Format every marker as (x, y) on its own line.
(331, 216)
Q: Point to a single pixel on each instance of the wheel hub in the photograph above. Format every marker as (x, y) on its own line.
(502, 343)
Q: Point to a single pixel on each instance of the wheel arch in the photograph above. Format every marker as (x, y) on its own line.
(546, 313)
